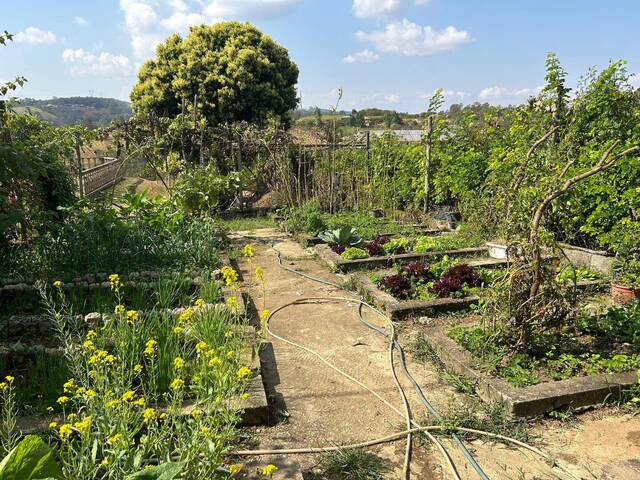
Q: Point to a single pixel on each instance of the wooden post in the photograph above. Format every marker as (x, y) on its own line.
(79, 165)
(427, 164)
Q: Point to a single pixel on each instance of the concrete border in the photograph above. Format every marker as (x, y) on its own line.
(336, 262)
(403, 309)
(533, 400)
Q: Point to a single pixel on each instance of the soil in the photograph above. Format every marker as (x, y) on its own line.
(319, 407)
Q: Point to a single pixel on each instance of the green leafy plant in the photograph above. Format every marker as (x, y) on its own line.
(353, 465)
(344, 237)
(627, 270)
(31, 459)
(397, 246)
(354, 253)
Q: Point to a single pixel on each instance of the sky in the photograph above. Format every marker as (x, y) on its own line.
(382, 53)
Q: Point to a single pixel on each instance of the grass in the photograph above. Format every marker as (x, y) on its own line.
(490, 417)
(352, 465)
(423, 352)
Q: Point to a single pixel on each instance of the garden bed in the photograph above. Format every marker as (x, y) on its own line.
(336, 262)
(532, 400)
(400, 309)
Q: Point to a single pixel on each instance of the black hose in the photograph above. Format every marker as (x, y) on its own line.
(463, 449)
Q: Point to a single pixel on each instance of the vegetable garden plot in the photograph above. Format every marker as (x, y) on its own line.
(571, 381)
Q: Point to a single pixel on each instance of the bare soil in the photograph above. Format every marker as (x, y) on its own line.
(319, 407)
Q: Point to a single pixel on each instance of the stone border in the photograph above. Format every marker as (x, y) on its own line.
(533, 400)
(423, 230)
(336, 262)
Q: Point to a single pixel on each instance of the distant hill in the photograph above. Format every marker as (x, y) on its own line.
(90, 111)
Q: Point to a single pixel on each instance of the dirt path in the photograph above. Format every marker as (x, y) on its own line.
(323, 408)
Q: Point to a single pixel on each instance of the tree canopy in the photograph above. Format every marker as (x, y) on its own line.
(226, 72)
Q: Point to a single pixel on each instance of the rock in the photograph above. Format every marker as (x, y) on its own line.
(93, 317)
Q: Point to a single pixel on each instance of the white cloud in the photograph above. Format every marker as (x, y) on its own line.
(35, 36)
(408, 38)
(497, 93)
(103, 63)
(149, 22)
(382, 8)
(249, 9)
(365, 56)
(393, 98)
(80, 21)
(450, 96)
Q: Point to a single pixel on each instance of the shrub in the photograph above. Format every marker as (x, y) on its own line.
(344, 236)
(354, 253)
(455, 279)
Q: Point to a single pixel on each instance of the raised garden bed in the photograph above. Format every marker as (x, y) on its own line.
(336, 262)
(399, 309)
(532, 400)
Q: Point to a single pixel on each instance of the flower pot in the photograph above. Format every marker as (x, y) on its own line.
(497, 250)
(622, 294)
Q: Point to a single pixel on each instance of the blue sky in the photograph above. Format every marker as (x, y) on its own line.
(383, 53)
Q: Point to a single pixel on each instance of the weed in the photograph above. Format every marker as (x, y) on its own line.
(352, 465)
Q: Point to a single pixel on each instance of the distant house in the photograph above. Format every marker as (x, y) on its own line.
(404, 136)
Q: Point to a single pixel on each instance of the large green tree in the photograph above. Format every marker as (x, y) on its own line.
(226, 72)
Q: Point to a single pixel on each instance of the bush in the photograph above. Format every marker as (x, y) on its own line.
(203, 191)
(398, 285)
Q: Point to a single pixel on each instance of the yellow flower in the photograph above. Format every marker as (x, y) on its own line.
(229, 274)
(139, 402)
(91, 334)
(69, 385)
(150, 348)
(3, 386)
(65, 430)
(228, 334)
(148, 415)
(215, 362)
(259, 274)
(9, 379)
(230, 354)
(200, 302)
(90, 393)
(132, 316)
(244, 372)
(235, 468)
(178, 330)
(269, 470)
(201, 347)
(114, 438)
(232, 304)
(110, 359)
(104, 462)
(119, 309)
(84, 425)
(177, 384)
(63, 400)
(72, 416)
(248, 251)
(128, 395)
(205, 430)
(186, 316)
(178, 363)
(57, 284)
(114, 280)
(50, 409)
(196, 413)
(89, 345)
(113, 403)
(245, 396)
(138, 369)
(264, 315)
(53, 425)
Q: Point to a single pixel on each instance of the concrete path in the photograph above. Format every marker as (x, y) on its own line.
(322, 408)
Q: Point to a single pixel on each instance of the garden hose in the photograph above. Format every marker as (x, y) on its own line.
(424, 400)
(463, 449)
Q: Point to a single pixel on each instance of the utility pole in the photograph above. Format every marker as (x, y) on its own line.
(427, 164)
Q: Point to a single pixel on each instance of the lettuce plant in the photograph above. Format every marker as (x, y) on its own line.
(354, 253)
(455, 279)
